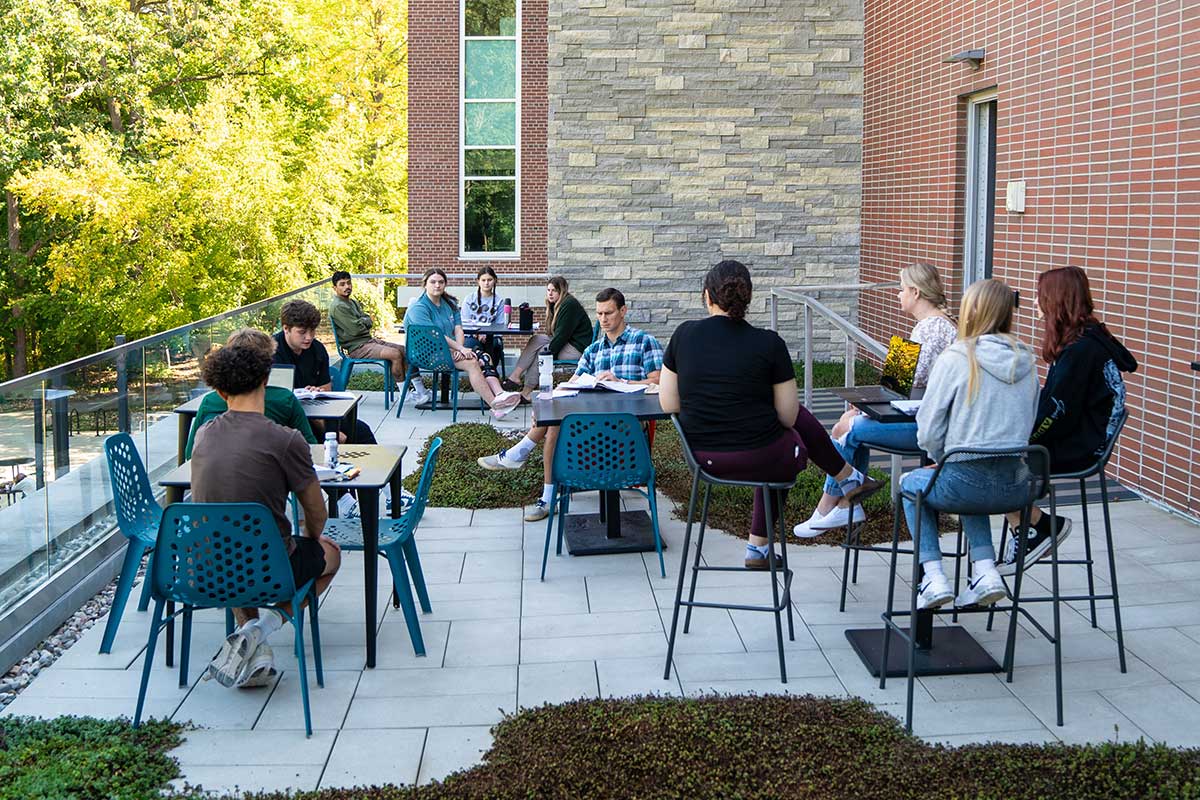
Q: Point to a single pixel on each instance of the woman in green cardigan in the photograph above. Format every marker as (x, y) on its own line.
(570, 331)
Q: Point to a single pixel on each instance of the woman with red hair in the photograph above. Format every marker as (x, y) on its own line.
(1083, 396)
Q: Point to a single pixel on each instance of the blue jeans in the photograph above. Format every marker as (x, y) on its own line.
(865, 432)
(971, 489)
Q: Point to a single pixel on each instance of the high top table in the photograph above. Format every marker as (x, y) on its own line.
(612, 530)
(325, 409)
(380, 466)
(941, 650)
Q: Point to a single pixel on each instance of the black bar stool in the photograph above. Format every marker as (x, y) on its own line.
(919, 632)
(780, 601)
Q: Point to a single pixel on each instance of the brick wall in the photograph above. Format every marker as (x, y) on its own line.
(687, 131)
(433, 129)
(1099, 113)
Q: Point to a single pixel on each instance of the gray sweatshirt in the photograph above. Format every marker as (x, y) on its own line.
(1001, 415)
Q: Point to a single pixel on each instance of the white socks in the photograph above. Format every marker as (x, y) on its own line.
(268, 621)
(933, 568)
(547, 492)
(521, 450)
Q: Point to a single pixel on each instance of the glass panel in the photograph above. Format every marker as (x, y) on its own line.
(491, 123)
(491, 18)
(491, 162)
(490, 216)
(491, 70)
(22, 506)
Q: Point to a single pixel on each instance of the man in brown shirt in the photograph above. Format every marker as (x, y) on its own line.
(241, 456)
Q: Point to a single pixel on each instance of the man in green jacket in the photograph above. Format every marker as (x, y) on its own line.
(352, 327)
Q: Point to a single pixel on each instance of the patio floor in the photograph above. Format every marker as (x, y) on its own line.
(498, 639)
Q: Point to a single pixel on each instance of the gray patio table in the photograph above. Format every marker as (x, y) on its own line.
(380, 466)
(612, 530)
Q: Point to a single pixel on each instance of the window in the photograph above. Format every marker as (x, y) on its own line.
(980, 199)
(489, 129)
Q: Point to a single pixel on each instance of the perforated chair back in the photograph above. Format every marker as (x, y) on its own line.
(415, 511)
(337, 341)
(602, 451)
(138, 513)
(1035, 457)
(227, 555)
(427, 349)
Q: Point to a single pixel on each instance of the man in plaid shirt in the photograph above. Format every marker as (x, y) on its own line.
(623, 353)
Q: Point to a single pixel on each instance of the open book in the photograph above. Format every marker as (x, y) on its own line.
(306, 394)
(590, 382)
(342, 472)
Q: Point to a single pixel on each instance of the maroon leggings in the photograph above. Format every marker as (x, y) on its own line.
(781, 460)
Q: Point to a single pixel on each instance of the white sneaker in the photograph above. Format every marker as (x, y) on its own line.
(805, 530)
(985, 590)
(231, 663)
(839, 517)
(499, 461)
(504, 403)
(935, 592)
(261, 670)
(419, 393)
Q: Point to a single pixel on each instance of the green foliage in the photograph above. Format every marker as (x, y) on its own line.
(365, 380)
(460, 482)
(81, 757)
(778, 747)
(830, 374)
(168, 163)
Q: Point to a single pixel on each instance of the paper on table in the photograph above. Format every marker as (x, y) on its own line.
(652, 388)
(590, 382)
(306, 394)
(558, 393)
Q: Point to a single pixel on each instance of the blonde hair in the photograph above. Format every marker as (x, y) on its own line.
(925, 279)
(252, 339)
(987, 308)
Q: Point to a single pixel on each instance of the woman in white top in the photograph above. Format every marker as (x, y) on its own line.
(922, 298)
(484, 307)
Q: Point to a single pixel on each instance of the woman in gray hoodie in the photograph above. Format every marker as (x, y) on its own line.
(982, 393)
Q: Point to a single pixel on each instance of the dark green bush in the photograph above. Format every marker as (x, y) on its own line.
(365, 380)
(460, 482)
(779, 747)
(829, 374)
(81, 757)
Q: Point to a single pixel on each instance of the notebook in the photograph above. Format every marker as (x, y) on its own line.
(896, 382)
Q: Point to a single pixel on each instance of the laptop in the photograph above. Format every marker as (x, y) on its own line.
(283, 376)
(896, 382)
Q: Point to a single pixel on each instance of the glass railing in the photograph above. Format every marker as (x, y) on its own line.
(55, 497)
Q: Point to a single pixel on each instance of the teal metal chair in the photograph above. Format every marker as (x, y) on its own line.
(429, 352)
(398, 545)
(605, 452)
(225, 555)
(138, 516)
(346, 367)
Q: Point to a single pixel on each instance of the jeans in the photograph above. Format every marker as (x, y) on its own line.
(971, 489)
(865, 432)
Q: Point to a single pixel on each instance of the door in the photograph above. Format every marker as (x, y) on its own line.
(979, 218)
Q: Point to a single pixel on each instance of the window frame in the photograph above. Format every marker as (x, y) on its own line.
(463, 147)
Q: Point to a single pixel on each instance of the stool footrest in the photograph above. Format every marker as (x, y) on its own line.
(738, 569)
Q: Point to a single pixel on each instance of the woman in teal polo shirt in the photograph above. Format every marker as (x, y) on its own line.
(439, 309)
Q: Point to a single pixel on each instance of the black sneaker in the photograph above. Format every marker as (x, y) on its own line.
(1037, 543)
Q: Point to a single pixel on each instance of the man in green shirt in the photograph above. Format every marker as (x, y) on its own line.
(352, 328)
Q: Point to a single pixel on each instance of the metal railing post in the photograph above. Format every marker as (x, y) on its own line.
(773, 306)
(808, 355)
(851, 353)
(122, 387)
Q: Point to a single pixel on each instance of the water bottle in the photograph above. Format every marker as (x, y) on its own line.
(331, 447)
(507, 311)
(545, 370)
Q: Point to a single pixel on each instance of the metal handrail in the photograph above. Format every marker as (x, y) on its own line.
(855, 336)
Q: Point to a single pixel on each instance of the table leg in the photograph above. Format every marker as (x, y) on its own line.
(446, 388)
(611, 503)
(174, 494)
(185, 425)
(368, 512)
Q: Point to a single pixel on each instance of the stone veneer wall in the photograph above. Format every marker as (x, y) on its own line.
(686, 131)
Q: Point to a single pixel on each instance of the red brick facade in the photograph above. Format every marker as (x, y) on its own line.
(1099, 113)
(433, 125)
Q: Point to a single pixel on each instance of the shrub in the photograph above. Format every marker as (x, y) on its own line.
(779, 747)
(81, 757)
(459, 482)
(829, 374)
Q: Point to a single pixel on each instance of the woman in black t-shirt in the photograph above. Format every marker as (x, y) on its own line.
(734, 389)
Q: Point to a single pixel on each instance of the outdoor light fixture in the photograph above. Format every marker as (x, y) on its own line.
(972, 57)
